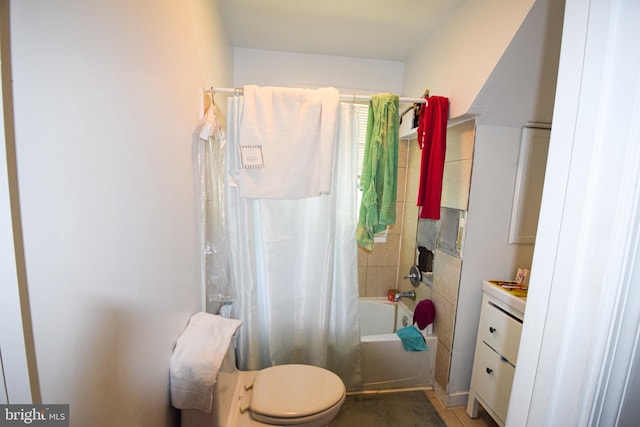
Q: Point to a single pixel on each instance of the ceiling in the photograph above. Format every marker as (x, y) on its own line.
(377, 29)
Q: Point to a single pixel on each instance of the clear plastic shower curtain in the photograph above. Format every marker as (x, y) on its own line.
(294, 267)
(211, 158)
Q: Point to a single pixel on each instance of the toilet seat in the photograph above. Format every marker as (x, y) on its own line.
(293, 394)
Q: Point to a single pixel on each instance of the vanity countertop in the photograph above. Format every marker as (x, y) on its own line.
(508, 296)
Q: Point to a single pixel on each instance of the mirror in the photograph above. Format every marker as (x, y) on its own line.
(532, 162)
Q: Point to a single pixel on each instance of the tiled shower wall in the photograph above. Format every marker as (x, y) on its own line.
(386, 266)
(447, 267)
(378, 269)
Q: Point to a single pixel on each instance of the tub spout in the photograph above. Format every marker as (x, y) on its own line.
(409, 294)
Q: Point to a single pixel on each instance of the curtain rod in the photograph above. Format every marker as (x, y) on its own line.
(352, 97)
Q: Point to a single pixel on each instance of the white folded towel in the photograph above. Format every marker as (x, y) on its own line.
(295, 130)
(197, 358)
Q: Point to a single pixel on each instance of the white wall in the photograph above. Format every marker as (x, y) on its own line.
(487, 253)
(479, 33)
(356, 75)
(520, 88)
(106, 97)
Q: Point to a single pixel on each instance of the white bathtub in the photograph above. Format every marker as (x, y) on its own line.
(385, 363)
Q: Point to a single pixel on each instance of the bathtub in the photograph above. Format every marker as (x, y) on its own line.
(385, 363)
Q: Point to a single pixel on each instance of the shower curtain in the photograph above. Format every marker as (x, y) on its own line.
(294, 266)
(209, 144)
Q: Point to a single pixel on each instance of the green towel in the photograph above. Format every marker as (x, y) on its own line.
(412, 339)
(379, 179)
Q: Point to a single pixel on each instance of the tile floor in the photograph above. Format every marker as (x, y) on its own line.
(457, 417)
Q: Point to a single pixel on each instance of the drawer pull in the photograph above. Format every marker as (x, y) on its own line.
(492, 329)
(489, 371)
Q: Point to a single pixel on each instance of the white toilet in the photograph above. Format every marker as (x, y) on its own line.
(285, 395)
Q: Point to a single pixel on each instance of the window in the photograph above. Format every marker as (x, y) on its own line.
(363, 114)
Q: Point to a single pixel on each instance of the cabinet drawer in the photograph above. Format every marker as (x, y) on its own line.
(492, 380)
(500, 330)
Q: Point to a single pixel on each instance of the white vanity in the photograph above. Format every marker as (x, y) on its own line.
(496, 351)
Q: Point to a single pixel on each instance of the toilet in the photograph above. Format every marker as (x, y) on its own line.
(285, 395)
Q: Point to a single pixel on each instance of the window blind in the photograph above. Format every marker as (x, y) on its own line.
(363, 113)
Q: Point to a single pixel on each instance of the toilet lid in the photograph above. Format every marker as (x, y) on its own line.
(291, 391)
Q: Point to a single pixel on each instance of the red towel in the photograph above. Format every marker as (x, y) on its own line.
(432, 138)
(424, 313)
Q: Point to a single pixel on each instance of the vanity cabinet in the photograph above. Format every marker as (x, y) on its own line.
(497, 345)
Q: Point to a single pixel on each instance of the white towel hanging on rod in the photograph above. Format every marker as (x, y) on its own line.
(346, 98)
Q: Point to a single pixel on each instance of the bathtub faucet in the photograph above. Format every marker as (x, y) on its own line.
(409, 294)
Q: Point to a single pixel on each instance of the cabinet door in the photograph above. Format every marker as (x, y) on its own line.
(492, 380)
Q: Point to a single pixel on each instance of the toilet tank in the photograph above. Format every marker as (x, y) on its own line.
(225, 386)
(223, 393)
